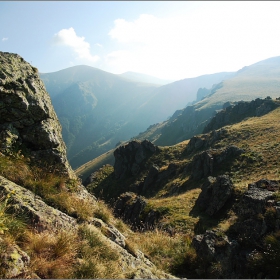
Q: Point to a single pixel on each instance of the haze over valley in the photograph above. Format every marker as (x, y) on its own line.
(139, 140)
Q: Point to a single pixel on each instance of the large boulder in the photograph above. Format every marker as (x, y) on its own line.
(133, 209)
(27, 118)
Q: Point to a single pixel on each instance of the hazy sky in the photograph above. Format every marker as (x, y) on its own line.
(166, 39)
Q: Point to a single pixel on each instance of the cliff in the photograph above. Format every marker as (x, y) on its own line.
(28, 121)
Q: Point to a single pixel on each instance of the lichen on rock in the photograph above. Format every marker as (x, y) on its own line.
(27, 118)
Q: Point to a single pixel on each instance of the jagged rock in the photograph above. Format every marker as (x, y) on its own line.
(205, 163)
(132, 209)
(168, 173)
(255, 199)
(202, 165)
(41, 216)
(215, 193)
(27, 118)
(130, 157)
(239, 111)
(205, 141)
(129, 206)
(215, 247)
(253, 223)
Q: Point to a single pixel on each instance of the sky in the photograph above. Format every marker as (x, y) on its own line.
(167, 39)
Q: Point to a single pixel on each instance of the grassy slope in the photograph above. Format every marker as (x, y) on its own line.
(258, 136)
(255, 81)
(86, 169)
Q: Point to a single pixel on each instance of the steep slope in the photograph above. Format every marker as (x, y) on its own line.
(50, 226)
(255, 81)
(98, 109)
(219, 191)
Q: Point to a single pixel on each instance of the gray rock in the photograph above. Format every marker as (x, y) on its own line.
(151, 178)
(111, 232)
(27, 117)
(255, 199)
(41, 216)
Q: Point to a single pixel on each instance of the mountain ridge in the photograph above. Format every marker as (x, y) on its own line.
(106, 109)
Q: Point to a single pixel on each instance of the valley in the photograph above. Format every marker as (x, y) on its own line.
(196, 194)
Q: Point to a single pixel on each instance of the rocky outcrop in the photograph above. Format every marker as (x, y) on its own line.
(258, 211)
(237, 112)
(235, 253)
(41, 216)
(130, 157)
(204, 141)
(129, 206)
(28, 121)
(254, 201)
(215, 193)
(111, 232)
(206, 163)
(134, 210)
(151, 177)
(218, 255)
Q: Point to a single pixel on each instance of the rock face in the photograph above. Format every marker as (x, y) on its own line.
(27, 118)
(258, 211)
(215, 193)
(237, 112)
(130, 157)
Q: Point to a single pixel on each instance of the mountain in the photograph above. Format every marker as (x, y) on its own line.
(143, 78)
(50, 225)
(255, 81)
(218, 191)
(207, 207)
(98, 109)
